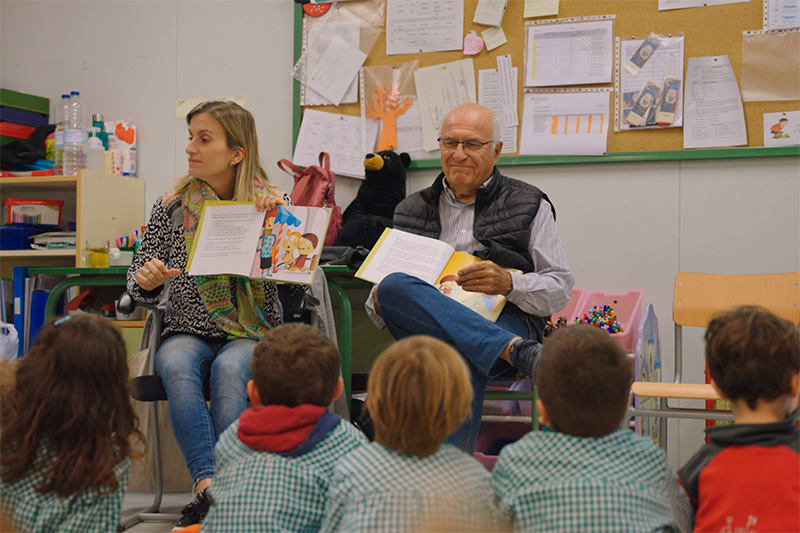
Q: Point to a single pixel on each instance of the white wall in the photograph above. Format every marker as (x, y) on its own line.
(132, 60)
(624, 225)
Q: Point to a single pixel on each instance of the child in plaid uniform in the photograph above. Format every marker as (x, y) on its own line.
(748, 478)
(583, 472)
(65, 428)
(274, 464)
(418, 393)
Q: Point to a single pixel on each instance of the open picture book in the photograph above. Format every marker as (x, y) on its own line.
(283, 244)
(430, 260)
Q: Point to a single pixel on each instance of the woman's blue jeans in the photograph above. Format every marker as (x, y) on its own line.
(410, 306)
(187, 364)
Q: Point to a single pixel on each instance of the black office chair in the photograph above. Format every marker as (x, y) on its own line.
(149, 387)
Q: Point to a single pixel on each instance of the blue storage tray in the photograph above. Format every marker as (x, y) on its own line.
(16, 237)
(20, 116)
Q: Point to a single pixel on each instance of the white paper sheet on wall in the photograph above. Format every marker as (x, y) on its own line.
(440, 88)
(782, 128)
(350, 32)
(540, 8)
(490, 12)
(490, 95)
(493, 37)
(713, 114)
(418, 26)
(565, 122)
(569, 53)
(508, 92)
(409, 134)
(781, 14)
(337, 70)
(339, 135)
(666, 5)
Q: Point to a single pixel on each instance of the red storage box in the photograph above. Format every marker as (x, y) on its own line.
(32, 211)
(17, 131)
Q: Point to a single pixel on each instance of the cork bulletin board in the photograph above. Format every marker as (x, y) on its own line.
(708, 31)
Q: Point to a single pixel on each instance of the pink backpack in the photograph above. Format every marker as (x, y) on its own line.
(315, 186)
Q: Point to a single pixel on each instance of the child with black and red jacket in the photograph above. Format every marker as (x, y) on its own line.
(748, 477)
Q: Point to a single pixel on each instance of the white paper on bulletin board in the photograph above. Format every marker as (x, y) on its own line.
(339, 135)
(569, 51)
(782, 128)
(566, 122)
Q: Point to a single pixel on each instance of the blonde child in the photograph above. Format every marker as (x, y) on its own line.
(418, 393)
(584, 472)
(65, 429)
(748, 478)
(274, 464)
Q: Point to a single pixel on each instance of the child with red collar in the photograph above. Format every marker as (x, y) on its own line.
(275, 462)
(748, 478)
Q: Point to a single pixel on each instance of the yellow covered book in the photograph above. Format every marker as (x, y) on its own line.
(430, 260)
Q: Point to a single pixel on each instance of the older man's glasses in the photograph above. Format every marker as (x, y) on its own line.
(451, 145)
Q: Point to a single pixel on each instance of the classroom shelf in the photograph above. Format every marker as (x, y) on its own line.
(102, 206)
(31, 182)
(69, 252)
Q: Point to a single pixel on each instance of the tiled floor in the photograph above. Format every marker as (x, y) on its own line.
(172, 502)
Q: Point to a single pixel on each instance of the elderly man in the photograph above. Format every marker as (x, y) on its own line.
(505, 222)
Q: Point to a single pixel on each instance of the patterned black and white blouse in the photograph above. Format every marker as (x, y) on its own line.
(186, 311)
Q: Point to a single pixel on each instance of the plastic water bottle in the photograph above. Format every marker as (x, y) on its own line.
(58, 137)
(74, 137)
(95, 155)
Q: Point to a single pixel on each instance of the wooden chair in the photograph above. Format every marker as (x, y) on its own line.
(697, 299)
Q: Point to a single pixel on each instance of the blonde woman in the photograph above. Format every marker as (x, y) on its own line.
(418, 393)
(213, 322)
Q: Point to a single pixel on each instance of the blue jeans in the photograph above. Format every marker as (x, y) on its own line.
(410, 306)
(187, 365)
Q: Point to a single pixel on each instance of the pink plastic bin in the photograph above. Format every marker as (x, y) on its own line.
(628, 309)
(570, 310)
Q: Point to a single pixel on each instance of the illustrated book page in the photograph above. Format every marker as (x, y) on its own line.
(282, 245)
(430, 260)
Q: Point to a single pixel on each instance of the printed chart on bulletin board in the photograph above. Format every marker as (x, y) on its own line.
(563, 77)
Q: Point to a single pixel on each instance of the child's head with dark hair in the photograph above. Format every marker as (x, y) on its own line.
(418, 393)
(584, 381)
(70, 392)
(295, 364)
(753, 355)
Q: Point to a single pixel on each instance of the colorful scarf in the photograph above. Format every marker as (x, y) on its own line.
(235, 304)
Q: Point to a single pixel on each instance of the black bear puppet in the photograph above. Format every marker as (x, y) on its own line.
(371, 212)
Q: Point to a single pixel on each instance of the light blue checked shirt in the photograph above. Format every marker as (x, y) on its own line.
(262, 491)
(375, 490)
(551, 481)
(539, 293)
(86, 512)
